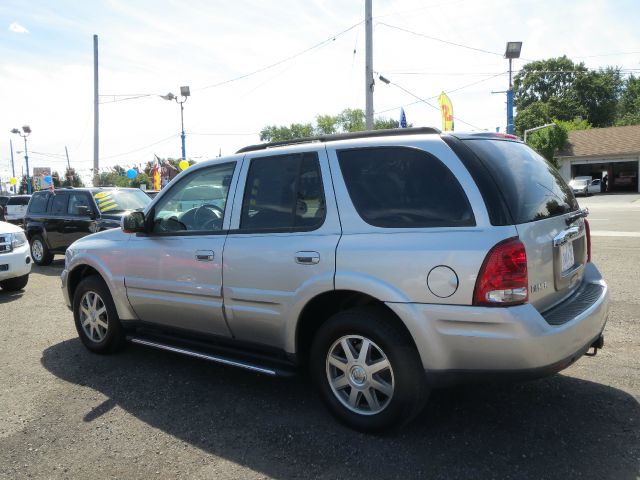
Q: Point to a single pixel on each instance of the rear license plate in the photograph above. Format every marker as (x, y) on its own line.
(566, 254)
(4, 268)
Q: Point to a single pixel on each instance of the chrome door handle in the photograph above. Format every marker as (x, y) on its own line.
(307, 258)
(204, 255)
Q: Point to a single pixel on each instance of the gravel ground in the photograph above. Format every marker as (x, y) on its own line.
(66, 413)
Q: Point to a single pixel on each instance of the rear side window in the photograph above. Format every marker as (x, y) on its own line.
(38, 203)
(18, 201)
(400, 187)
(532, 188)
(283, 192)
(59, 204)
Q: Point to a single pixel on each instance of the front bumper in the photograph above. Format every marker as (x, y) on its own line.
(462, 341)
(18, 263)
(65, 291)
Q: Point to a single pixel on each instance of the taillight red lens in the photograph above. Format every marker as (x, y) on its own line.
(503, 278)
(588, 231)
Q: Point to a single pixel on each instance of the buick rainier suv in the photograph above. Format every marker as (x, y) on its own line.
(384, 263)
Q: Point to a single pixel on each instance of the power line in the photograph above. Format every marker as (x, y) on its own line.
(317, 45)
(385, 80)
(448, 91)
(138, 149)
(440, 40)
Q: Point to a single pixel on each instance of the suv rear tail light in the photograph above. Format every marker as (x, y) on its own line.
(588, 231)
(503, 278)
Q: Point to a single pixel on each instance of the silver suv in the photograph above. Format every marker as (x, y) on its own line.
(385, 263)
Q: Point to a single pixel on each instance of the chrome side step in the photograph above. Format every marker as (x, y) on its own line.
(203, 356)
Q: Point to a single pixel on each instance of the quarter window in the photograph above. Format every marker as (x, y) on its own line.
(283, 193)
(39, 203)
(197, 203)
(77, 200)
(400, 187)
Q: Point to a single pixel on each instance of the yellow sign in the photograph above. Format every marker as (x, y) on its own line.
(446, 108)
(183, 164)
(13, 181)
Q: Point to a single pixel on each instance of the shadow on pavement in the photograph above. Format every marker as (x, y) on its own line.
(53, 270)
(559, 427)
(7, 297)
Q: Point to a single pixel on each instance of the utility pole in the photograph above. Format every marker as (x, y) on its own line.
(96, 141)
(369, 64)
(68, 162)
(13, 168)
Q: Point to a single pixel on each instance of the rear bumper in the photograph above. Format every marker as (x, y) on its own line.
(463, 342)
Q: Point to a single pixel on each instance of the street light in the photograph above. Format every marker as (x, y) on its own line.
(26, 131)
(184, 93)
(512, 51)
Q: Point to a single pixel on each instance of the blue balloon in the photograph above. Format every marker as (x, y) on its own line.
(47, 179)
(131, 173)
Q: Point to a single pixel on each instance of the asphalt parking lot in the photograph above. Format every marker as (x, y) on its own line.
(66, 413)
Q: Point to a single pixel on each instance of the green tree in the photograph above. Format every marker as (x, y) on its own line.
(349, 120)
(558, 88)
(22, 190)
(115, 177)
(549, 140)
(629, 103)
(72, 179)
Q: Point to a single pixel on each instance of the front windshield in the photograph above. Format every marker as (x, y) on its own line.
(119, 200)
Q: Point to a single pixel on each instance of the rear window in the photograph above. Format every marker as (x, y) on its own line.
(400, 187)
(532, 188)
(19, 201)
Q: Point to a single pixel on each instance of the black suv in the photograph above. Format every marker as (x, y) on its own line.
(55, 220)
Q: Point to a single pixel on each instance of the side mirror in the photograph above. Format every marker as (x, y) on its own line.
(133, 223)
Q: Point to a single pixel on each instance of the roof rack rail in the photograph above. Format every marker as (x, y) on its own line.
(343, 136)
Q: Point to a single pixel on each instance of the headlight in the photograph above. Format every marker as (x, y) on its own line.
(18, 239)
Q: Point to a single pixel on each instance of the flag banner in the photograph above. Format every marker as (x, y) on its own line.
(403, 118)
(155, 174)
(446, 108)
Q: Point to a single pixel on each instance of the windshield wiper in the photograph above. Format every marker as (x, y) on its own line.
(576, 215)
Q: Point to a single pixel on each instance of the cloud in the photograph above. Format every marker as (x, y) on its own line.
(15, 27)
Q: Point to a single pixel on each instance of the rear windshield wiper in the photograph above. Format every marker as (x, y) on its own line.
(582, 213)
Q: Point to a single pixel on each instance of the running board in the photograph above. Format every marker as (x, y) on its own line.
(204, 356)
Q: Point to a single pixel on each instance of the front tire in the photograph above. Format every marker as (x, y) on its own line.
(368, 370)
(15, 284)
(96, 318)
(40, 252)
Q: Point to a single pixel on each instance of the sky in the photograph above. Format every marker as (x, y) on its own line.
(253, 63)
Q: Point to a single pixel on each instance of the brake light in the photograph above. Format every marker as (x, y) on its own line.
(503, 279)
(588, 231)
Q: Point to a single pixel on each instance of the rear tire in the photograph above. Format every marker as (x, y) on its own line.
(40, 252)
(14, 284)
(382, 389)
(96, 318)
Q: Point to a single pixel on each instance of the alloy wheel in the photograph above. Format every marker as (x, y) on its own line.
(93, 316)
(37, 250)
(360, 374)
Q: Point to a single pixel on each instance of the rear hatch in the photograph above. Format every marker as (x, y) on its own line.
(534, 197)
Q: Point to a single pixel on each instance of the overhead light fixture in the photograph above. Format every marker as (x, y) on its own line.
(184, 91)
(513, 50)
(26, 129)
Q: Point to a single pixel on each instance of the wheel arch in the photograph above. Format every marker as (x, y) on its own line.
(321, 307)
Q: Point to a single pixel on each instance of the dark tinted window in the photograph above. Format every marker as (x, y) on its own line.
(59, 204)
(532, 188)
(399, 187)
(39, 203)
(78, 200)
(283, 192)
(18, 201)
